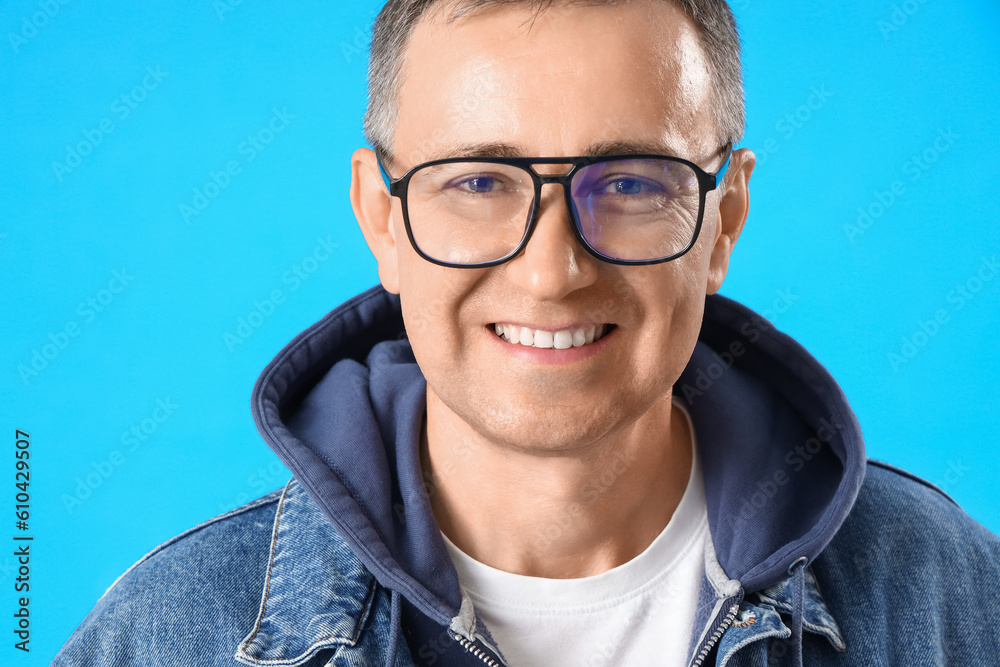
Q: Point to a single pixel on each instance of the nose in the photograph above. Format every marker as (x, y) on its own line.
(553, 264)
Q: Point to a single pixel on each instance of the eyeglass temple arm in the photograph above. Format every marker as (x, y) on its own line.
(721, 173)
(385, 174)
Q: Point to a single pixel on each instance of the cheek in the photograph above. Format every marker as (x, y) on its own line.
(432, 297)
(668, 290)
(427, 316)
(686, 320)
(674, 301)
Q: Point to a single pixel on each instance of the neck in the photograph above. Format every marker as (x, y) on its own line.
(562, 515)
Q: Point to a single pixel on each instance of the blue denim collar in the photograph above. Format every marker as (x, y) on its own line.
(758, 615)
(760, 618)
(317, 593)
(816, 616)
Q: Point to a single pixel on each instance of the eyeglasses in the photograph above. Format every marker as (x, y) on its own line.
(624, 209)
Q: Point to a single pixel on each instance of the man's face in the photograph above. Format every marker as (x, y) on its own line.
(572, 78)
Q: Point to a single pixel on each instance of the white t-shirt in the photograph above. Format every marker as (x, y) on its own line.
(639, 613)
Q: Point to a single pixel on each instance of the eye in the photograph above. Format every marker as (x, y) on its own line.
(626, 185)
(480, 184)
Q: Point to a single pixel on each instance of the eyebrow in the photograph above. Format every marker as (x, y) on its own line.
(501, 149)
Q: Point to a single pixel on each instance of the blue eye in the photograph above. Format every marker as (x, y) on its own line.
(481, 184)
(627, 186)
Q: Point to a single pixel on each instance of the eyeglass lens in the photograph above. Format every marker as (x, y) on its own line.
(629, 209)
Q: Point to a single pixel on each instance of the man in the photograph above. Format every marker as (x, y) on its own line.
(544, 440)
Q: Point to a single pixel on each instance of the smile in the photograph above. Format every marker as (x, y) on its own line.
(559, 340)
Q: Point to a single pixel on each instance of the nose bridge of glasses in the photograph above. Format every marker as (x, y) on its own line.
(551, 172)
(555, 201)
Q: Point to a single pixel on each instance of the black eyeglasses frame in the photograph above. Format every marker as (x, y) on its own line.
(706, 183)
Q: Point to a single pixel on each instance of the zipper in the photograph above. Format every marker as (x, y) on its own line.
(480, 653)
(717, 635)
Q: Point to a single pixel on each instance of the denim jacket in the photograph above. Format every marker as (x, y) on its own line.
(821, 556)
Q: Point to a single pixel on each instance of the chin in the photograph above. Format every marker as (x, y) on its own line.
(545, 431)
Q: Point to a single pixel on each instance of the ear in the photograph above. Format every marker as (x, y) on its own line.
(373, 209)
(733, 209)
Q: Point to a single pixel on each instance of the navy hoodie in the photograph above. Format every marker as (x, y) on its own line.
(781, 450)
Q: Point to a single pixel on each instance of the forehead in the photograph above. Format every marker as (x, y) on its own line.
(555, 82)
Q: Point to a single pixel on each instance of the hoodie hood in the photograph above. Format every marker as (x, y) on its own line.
(782, 455)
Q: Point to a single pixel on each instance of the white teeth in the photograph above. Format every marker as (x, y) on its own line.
(563, 340)
(543, 338)
(540, 338)
(527, 336)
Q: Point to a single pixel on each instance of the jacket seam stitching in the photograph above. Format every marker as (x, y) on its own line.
(267, 593)
(369, 597)
(252, 505)
(768, 634)
(906, 474)
(270, 568)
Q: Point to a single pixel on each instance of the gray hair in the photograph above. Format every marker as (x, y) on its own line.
(713, 19)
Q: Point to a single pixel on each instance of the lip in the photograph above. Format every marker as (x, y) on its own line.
(550, 328)
(551, 356)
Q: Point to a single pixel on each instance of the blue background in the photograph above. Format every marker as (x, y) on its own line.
(894, 78)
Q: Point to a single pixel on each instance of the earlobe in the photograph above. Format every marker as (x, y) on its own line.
(733, 210)
(373, 209)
